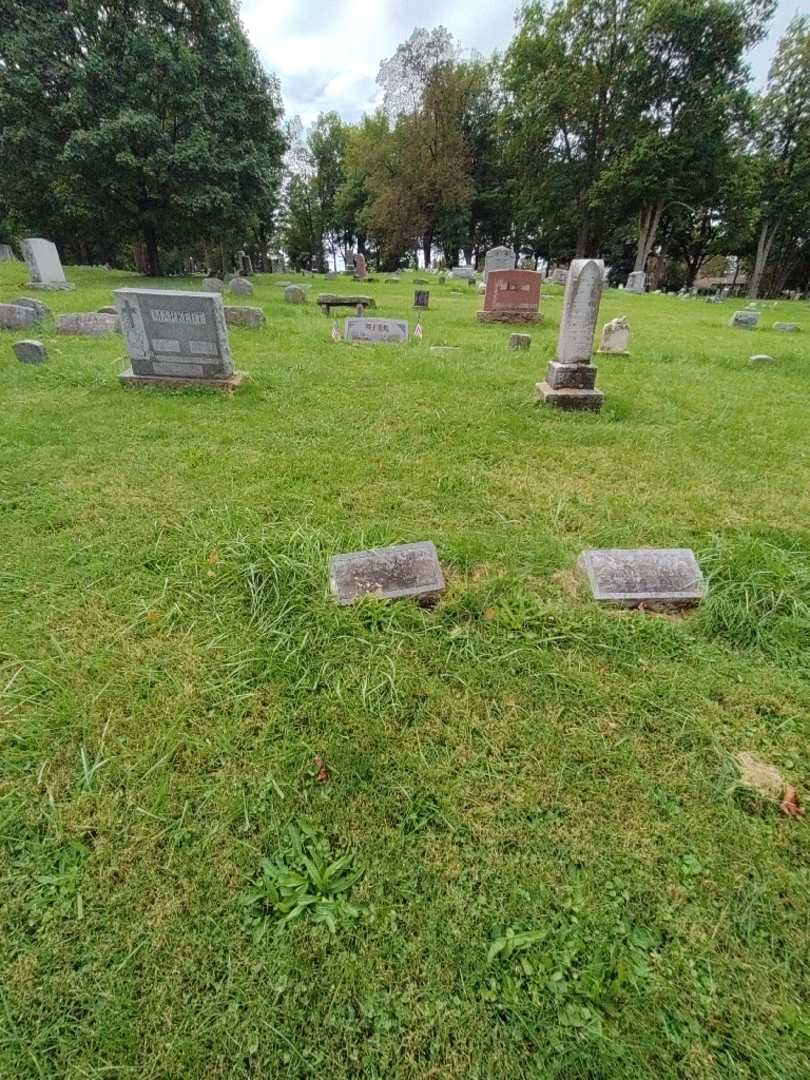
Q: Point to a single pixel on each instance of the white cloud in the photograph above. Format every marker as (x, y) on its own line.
(327, 52)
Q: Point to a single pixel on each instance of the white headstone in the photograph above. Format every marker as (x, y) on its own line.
(43, 262)
(616, 337)
(637, 282)
(583, 291)
(6, 254)
(499, 258)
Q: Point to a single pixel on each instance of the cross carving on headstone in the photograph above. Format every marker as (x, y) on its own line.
(129, 310)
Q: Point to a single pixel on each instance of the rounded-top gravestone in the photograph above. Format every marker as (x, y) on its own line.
(241, 286)
(213, 284)
(30, 352)
(294, 294)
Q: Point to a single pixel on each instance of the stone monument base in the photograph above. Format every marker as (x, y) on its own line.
(509, 316)
(170, 382)
(50, 286)
(564, 397)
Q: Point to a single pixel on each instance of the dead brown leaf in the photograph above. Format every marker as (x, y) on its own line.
(790, 804)
(323, 775)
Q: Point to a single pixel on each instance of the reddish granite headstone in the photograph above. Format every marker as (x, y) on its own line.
(512, 296)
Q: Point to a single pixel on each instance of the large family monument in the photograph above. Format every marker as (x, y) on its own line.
(571, 378)
(176, 338)
(512, 296)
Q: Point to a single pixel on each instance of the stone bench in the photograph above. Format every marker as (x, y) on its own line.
(330, 300)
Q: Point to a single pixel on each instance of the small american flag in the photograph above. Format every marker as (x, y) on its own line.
(335, 331)
(417, 332)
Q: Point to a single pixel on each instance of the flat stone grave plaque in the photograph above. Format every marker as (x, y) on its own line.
(407, 571)
(746, 320)
(175, 335)
(390, 331)
(655, 577)
(787, 327)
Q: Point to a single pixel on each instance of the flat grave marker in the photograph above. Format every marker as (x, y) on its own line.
(406, 571)
(654, 577)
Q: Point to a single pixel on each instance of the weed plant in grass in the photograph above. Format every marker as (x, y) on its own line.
(531, 793)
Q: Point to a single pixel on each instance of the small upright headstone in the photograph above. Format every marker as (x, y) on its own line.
(421, 299)
(787, 327)
(615, 337)
(571, 377)
(498, 258)
(6, 254)
(88, 324)
(30, 352)
(559, 276)
(442, 279)
(42, 310)
(388, 331)
(245, 264)
(44, 264)
(512, 296)
(520, 341)
(407, 571)
(653, 577)
(250, 317)
(637, 282)
(241, 286)
(745, 320)
(16, 317)
(176, 338)
(213, 284)
(360, 268)
(294, 294)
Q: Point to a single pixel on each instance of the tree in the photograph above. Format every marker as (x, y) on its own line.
(161, 122)
(405, 76)
(783, 143)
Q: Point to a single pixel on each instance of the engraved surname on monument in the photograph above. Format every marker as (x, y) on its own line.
(184, 330)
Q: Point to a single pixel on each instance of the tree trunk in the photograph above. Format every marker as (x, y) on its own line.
(582, 240)
(427, 248)
(648, 220)
(151, 253)
(766, 237)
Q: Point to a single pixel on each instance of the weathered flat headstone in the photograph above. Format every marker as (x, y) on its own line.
(615, 337)
(176, 338)
(744, 320)
(44, 264)
(88, 324)
(241, 286)
(442, 349)
(637, 282)
(571, 378)
(512, 296)
(520, 341)
(30, 352)
(16, 317)
(408, 571)
(294, 294)
(6, 254)
(787, 327)
(249, 317)
(421, 299)
(498, 258)
(389, 331)
(655, 577)
(213, 284)
(42, 310)
(762, 358)
(465, 273)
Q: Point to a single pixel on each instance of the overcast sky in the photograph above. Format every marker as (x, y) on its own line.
(327, 52)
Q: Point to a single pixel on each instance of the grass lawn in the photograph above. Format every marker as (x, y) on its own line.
(546, 874)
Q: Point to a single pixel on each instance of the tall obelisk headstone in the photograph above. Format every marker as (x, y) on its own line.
(571, 377)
